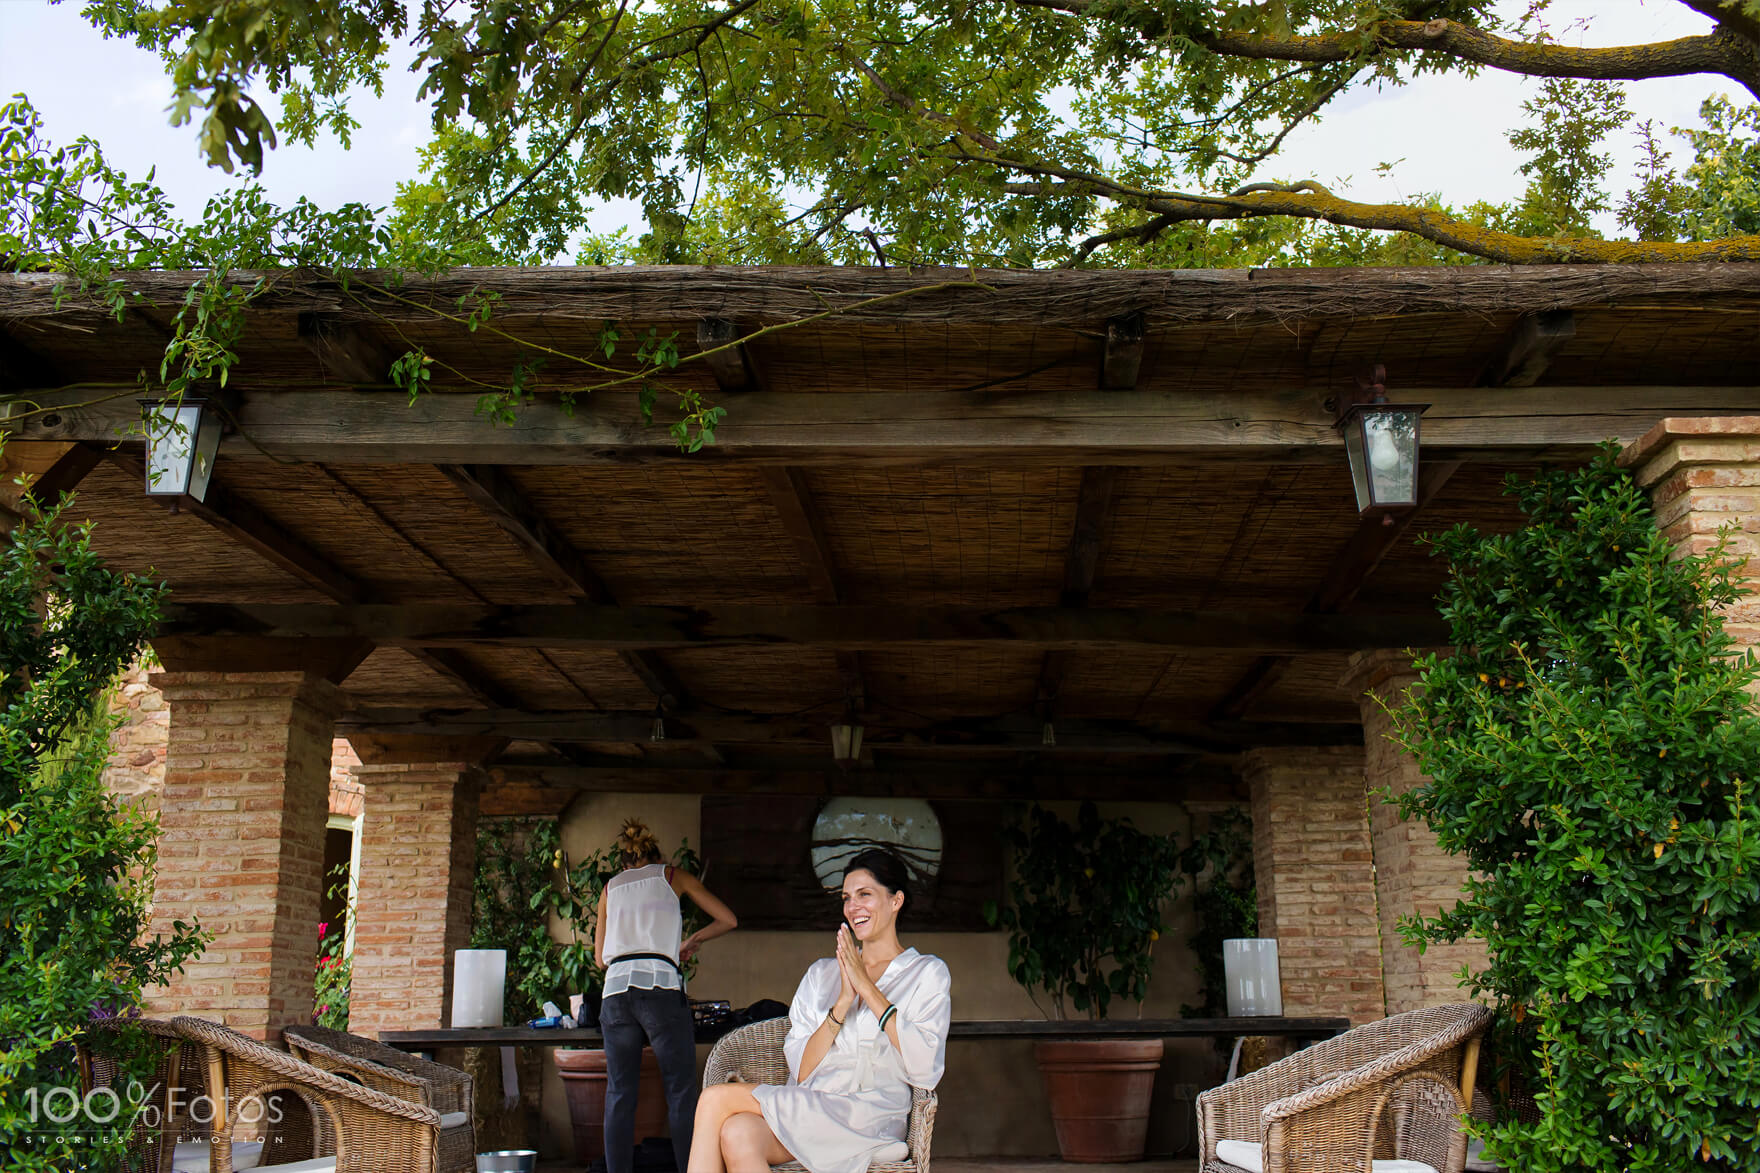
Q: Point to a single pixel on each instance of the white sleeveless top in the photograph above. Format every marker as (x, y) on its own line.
(642, 916)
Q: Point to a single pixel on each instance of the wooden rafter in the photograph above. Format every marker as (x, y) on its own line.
(732, 367)
(897, 731)
(499, 498)
(345, 352)
(242, 523)
(1344, 578)
(1080, 562)
(1123, 357)
(854, 628)
(794, 504)
(1527, 350)
(1028, 429)
(64, 475)
(1200, 781)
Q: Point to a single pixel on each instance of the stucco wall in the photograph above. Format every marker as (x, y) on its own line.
(992, 1102)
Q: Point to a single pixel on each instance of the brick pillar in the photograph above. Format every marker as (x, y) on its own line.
(241, 841)
(1311, 863)
(1412, 874)
(418, 854)
(1704, 475)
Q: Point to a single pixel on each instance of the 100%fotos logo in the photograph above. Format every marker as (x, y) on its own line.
(143, 1107)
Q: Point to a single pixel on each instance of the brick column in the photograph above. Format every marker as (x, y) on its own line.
(1412, 874)
(1311, 863)
(241, 841)
(418, 854)
(1704, 475)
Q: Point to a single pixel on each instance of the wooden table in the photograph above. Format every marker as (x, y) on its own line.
(1306, 1029)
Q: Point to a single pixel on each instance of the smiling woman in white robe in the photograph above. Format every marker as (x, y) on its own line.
(865, 1027)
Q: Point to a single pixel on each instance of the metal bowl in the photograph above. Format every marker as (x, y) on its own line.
(508, 1161)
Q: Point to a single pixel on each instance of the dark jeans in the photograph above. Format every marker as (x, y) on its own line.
(662, 1020)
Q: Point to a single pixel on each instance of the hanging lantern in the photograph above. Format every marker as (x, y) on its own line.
(846, 742)
(1381, 440)
(183, 436)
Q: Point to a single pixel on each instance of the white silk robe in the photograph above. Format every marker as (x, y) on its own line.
(855, 1106)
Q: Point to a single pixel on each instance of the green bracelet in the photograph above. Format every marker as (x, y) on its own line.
(887, 1017)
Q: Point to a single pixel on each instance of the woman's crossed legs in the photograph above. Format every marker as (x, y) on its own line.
(730, 1134)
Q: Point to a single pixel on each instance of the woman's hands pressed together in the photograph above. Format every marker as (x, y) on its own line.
(856, 982)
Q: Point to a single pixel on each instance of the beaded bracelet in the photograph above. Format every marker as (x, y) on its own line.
(887, 1017)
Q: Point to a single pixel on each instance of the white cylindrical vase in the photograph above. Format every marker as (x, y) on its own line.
(1249, 966)
(479, 982)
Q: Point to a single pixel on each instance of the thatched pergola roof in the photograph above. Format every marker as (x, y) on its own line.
(1113, 501)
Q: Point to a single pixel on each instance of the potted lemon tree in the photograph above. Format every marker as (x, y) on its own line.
(1083, 913)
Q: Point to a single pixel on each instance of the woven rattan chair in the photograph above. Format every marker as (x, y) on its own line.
(753, 1054)
(177, 1076)
(445, 1089)
(1391, 1090)
(308, 1118)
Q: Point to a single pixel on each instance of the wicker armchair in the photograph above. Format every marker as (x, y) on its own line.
(445, 1089)
(318, 1120)
(178, 1076)
(753, 1054)
(1391, 1090)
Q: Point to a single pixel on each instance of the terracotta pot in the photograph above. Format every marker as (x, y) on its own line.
(583, 1078)
(1099, 1092)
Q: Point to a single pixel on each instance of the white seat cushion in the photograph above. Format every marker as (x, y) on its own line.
(454, 1119)
(1247, 1155)
(888, 1154)
(191, 1156)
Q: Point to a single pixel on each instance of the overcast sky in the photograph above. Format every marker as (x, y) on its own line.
(1447, 132)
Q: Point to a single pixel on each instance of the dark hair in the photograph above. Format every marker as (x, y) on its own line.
(885, 867)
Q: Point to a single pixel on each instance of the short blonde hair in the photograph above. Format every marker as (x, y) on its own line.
(636, 845)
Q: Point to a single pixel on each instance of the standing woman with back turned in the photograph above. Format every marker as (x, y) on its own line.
(637, 941)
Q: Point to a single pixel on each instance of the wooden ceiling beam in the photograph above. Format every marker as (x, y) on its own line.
(1122, 360)
(1027, 429)
(895, 731)
(520, 787)
(1345, 577)
(244, 525)
(731, 365)
(849, 628)
(63, 475)
(490, 490)
(1528, 349)
(1081, 560)
(345, 352)
(793, 502)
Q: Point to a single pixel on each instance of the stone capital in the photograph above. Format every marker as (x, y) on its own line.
(1677, 443)
(306, 688)
(1383, 671)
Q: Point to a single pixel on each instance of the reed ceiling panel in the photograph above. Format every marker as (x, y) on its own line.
(1309, 690)
(953, 680)
(672, 535)
(606, 678)
(200, 563)
(977, 537)
(392, 676)
(341, 514)
(762, 679)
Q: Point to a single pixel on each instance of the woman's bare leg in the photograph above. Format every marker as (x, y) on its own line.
(748, 1145)
(718, 1148)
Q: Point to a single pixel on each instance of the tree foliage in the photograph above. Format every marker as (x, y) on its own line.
(1593, 753)
(76, 865)
(1011, 132)
(1084, 907)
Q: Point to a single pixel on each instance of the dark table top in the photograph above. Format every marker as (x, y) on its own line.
(1009, 1028)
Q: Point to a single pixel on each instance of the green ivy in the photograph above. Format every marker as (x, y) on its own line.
(1593, 753)
(1084, 907)
(76, 866)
